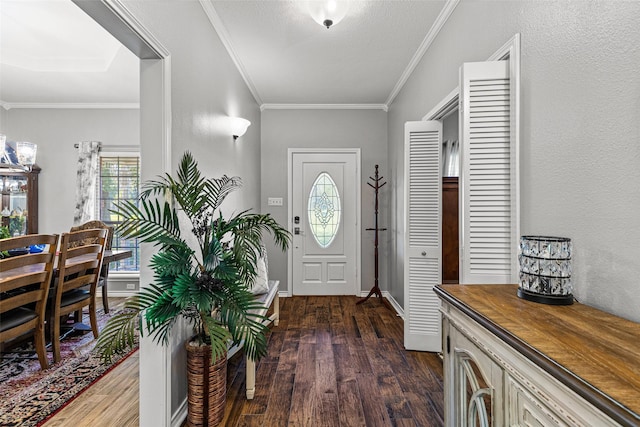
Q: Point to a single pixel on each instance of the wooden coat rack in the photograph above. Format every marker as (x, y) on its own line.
(376, 290)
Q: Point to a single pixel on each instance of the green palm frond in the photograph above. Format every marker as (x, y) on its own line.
(172, 262)
(213, 255)
(162, 331)
(151, 222)
(219, 336)
(193, 282)
(190, 197)
(247, 230)
(155, 188)
(118, 335)
(240, 316)
(192, 290)
(217, 189)
(145, 298)
(161, 311)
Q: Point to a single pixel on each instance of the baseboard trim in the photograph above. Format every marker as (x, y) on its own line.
(178, 417)
(397, 307)
(121, 294)
(390, 298)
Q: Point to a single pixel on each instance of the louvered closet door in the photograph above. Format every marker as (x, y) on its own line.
(422, 271)
(488, 217)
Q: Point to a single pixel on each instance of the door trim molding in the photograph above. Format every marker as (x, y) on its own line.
(156, 360)
(510, 51)
(358, 189)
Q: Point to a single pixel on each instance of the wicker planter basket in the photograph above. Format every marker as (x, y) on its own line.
(207, 387)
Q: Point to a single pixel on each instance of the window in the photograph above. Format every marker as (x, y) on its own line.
(119, 181)
(324, 210)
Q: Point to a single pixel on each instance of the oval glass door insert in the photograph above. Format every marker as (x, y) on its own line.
(324, 210)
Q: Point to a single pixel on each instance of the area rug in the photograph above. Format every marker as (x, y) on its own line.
(30, 396)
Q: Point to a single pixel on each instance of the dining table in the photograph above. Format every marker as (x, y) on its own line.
(108, 257)
(116, 255)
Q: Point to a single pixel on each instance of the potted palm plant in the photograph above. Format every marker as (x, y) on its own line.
(206, 282)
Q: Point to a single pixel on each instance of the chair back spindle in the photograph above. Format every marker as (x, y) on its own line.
(79, 264)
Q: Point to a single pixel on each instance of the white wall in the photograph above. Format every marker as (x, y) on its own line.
(364, 129)
(450, 127)
(205, 85)
(56, 131)
(3, 121)
(580, 153)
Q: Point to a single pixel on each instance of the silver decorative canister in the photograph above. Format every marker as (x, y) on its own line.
(545, 269)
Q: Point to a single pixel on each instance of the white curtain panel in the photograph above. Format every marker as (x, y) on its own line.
(88, 156)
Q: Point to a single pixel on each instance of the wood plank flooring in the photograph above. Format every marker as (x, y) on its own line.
(333, 363)
(329, 363)
(110, 402)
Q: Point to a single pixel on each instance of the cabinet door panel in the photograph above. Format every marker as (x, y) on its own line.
(481, 370)
(19, 201)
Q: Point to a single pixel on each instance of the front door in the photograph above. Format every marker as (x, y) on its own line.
(324, 207)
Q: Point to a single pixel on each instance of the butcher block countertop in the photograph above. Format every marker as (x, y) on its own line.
(596, 354)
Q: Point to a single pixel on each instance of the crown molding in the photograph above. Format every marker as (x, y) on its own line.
(70, 105)
(324, 107)
(219, 28)
(442, 18)
(133, 35)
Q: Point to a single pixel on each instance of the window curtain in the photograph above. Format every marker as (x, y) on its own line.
(88, 157)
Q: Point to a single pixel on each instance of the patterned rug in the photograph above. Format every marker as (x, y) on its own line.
(30, 396)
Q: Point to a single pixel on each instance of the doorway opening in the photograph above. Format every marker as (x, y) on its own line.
(155, 129)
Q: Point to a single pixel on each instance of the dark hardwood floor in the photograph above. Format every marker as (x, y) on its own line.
(334, 363)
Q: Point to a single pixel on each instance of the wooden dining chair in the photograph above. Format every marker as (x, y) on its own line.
(77, 281)
(104, 272)
(24, 286)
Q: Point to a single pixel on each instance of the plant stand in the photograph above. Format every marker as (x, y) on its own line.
(376, 290)
(207, 387)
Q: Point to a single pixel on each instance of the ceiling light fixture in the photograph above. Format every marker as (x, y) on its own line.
(328, 12)
(238, 126)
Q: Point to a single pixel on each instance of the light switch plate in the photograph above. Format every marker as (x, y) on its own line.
(274, 201)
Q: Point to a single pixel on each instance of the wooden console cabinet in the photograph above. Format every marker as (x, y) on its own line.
(511, 362)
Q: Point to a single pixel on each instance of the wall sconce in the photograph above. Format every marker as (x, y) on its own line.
(328, 12)
(238, 126)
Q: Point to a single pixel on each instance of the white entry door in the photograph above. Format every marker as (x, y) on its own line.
(324, 221)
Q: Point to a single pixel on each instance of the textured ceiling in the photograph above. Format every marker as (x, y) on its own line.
(52, 52)
(289, 58)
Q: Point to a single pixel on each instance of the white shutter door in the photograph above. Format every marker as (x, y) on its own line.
(423, 193)
(488, 217)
